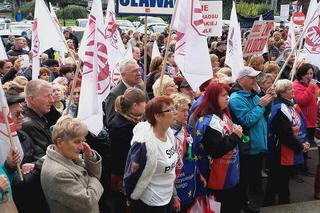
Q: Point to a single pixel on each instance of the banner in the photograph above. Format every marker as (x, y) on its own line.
(284, 11)
(312, 42)
(145, 7)
(258, 38)
(212, 17)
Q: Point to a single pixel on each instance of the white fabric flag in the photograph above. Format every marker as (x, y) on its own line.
(44, 35)
(234, 54)
(95, 84)
(191, 52)
(155, 50)
(115, 45)
(291, 39)
(128, 53)
(3, 54)
(313, 5)
(4, 135)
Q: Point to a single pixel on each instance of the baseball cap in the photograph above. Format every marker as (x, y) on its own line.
(248, 71)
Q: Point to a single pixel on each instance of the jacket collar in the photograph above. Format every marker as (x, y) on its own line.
(280, 99)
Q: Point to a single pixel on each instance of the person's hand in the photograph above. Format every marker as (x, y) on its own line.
(272, 91)
(306, 147)
(237, 130)
(4, 184)
(87, 150)
(27, 168)
(313, 82)
(13, 158)
(17, 64)
(265, 100)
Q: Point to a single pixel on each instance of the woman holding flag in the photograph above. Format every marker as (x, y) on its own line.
(217, 140)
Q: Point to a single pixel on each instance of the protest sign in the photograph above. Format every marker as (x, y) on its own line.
(284, 11)
(212, 17)
(258, 38)
(145, 7)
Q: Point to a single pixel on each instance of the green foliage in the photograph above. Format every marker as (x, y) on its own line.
(72, 12)
(27, 8)
(252, 9)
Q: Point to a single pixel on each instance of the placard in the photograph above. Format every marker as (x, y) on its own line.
(212, 17)
(145, 7)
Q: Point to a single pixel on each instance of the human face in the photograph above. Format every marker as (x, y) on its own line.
(16, 113)
(170, 89)
(308, 76)
(132, 75)
(248, 82)
(167, 117)
(70, 45)
(6, 67)
(76, 95)
(182, 113)
(136, 54)
(69, 75)
(171, 59)
(44, 76)
(42, 102)
(138, 108)
(288, 93)
(57, 94)
(266, 85)
(19, 44)
(70, 148)
(223, 100)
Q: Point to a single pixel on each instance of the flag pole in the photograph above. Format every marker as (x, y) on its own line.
(296, 45)
(167, 46)
(11, 140)
(73, 86)
(145, 54)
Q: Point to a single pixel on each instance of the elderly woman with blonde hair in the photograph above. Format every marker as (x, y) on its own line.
(69, 179)
(168, 86)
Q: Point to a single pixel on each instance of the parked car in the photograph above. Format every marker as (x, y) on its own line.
(152, 20)
(125, 25)
(152, 28)
(81, 22)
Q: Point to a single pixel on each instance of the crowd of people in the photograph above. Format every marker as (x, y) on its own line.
(164, 148)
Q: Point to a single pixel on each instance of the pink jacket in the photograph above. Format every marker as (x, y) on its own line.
(307, 100)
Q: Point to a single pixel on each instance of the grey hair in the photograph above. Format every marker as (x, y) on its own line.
(124, 64)
(263, 77)
(34, 86)
(286, 53)
(282, 85)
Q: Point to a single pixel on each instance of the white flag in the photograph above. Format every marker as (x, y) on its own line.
(291, 39)
(191, 52)
(3, 54)
(313, 5)
(234, 55)
(4, 135)
(45, 35)
(115, 45)
(128, 53)
(95, 84)
(155, 50)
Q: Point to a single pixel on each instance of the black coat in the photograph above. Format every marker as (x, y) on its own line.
(37, 128)
(120, 139)
(32, 152)
(52, 116)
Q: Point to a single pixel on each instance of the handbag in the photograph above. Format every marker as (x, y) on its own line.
(7, 205)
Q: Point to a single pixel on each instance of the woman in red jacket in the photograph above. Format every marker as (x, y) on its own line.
(305, 90)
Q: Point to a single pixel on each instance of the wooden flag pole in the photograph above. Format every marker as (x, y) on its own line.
(11, 139)
(167, 46)
(145, 38)
(73, 86)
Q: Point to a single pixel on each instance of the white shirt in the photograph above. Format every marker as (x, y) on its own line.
(160, 189)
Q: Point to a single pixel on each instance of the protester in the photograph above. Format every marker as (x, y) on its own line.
(288, 142)
(131, 76)
(272, 68)
(186, 89)
(137, 56)
(168, 86)
(256, 62)
(129, 109)
(13, 71)
(75, 179)
(135, 38)
(273, 50)
(73, 108)
(286, 73)
(10, 43)
(58, 105)
(220, 50)
(39, 101)
(265, 82)
(18, 48)
(150, 168)
(5, 66)
(247, 110)
(156, 67)
(44, 73)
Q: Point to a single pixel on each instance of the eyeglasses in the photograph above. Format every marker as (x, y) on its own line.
(170, 110)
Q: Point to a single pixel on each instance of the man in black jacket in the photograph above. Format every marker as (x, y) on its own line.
(39, 101)
(18, 48)
(131, 77)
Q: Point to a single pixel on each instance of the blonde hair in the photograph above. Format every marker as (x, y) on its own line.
(166, 82)
(179, 98)
(131, 95)
(270, 67)
(226, 70)
(256, 61)
(68, 128)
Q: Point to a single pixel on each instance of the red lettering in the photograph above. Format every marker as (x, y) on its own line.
(205, 7)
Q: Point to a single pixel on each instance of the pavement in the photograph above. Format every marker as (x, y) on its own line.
(301, 199)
